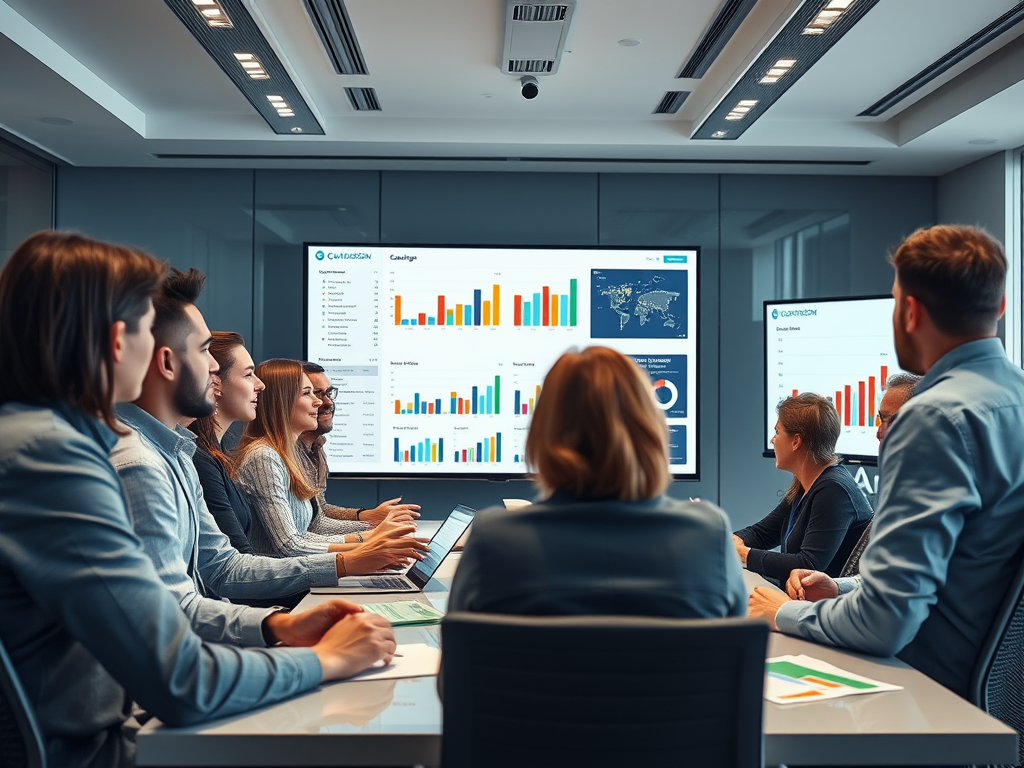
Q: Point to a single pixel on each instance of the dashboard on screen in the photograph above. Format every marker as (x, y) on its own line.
(839, 348)
(439, 353)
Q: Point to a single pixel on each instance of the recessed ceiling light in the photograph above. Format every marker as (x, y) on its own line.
(719, 134)
(213, 13)
(630, 42)
(826, 16)
(275, 98)
(296, 129)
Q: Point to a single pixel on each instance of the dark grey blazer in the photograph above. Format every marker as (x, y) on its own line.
(659, 557)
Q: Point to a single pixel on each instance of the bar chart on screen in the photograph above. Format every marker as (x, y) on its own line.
(840, 349)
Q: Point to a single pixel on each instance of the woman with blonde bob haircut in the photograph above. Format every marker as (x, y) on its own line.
(603, 539)
(269, 469)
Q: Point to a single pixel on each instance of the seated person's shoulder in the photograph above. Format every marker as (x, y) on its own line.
(132, 449)
(31, 430)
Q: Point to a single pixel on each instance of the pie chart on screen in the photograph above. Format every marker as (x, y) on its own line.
(665, 393)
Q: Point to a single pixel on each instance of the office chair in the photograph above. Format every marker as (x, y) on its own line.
(997, 682)
(21, 744)
(852, 566)
(601, 691)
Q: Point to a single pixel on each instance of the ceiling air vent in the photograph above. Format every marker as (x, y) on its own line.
(726, 22)
(535, 36)
(532, 66)
(363, 99)
(671, 102)
(330, 20)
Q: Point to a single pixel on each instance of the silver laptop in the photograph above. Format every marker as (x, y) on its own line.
(413, 580)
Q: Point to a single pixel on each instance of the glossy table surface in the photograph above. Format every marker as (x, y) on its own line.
(398, 722)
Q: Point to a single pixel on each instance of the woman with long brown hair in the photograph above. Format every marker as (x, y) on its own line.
(88, 623)
(823, 513)
(604, 538)
(279, 492)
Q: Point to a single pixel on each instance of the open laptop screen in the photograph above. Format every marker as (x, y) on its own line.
(442, 543)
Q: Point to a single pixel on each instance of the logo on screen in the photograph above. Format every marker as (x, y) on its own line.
(775, 314)
(319, 255)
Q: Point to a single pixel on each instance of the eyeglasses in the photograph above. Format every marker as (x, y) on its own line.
(887, 418)
(330, 393)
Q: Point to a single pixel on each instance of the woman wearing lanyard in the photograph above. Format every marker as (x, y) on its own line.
(823, 513)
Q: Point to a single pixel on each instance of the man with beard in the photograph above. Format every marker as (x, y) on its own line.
(165, 499)
(949, 529)
(311, 451)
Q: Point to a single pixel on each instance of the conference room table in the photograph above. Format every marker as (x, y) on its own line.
(398, 722)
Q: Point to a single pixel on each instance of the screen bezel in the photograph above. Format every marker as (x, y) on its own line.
(507, 476)
(846, 458)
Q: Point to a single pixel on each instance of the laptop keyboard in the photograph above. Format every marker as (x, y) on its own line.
(385, 582)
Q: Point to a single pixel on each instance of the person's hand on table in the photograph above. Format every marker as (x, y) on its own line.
(764, 603)
(392, 509)
(392, 551)
(307, 628)
(356, 642)
(804, 584)
(741, 549)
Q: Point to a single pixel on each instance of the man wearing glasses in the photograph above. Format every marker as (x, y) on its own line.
(311, 452)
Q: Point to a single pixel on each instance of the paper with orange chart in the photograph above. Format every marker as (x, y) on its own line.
(794, 679)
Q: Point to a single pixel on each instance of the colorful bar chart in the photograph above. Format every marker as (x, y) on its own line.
(487, 450)
(855, 403)
(479, 311)
(546, 308)
(523, 406)
(481, 401)
(423, 452)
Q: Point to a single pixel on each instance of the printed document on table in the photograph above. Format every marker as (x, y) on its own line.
(405, 613)
(416, 660)
(793, 679)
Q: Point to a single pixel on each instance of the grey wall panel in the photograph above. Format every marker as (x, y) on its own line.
(489, 208)
(293, 207)
(975, 194)
(200, 218)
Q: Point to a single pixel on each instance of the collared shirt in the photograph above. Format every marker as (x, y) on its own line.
(328, 519)
(84, 613)
(193, 557)
(949, 528)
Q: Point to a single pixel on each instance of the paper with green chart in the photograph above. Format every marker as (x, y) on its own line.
(405, 613)
(794, 679)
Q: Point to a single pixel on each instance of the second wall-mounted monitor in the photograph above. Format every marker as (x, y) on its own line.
(439, 353)
(839, 348)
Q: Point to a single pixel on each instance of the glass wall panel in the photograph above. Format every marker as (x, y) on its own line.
(674, 210)
(26, 197)
(293, 207)
(791, 237)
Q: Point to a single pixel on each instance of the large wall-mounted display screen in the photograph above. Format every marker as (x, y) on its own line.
(841, 349)
(439, 353)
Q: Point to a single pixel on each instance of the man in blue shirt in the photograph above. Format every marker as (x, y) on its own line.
(949, 530)
(154, 462)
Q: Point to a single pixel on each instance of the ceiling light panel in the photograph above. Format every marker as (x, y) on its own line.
(728, 19)
(250, 62)
(784, 61)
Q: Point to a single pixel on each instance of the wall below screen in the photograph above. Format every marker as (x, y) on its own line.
(761, 237)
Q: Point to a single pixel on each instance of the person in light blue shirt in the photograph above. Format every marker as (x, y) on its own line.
(165, 498)
(949, 529)
(84, 617)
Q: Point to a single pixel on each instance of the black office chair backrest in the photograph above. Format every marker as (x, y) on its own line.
(21, 744)
(601, 691)
(997, 682)
(852, 566)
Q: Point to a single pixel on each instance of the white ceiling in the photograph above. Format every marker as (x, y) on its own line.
(136, 84)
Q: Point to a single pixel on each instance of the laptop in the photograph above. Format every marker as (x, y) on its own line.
(413, 580)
